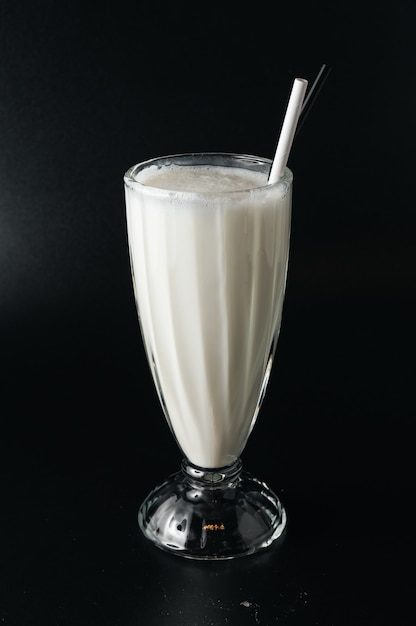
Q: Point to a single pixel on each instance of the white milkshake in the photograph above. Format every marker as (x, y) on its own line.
(209, 250)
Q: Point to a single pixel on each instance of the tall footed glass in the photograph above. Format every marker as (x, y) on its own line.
(209, 245)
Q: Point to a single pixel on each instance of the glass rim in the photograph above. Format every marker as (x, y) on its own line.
(131, 182)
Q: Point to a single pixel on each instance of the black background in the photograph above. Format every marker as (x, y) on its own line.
(88, 89)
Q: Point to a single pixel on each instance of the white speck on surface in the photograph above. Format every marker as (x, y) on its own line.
(255, 610)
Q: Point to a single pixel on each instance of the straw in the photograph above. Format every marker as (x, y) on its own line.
(313, 91)
(288, 129)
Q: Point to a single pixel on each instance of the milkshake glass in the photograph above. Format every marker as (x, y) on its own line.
(209, 243)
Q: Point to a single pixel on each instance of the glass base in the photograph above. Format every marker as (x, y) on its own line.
(212, 514)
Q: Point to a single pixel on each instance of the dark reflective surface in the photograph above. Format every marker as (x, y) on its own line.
(84, 94)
